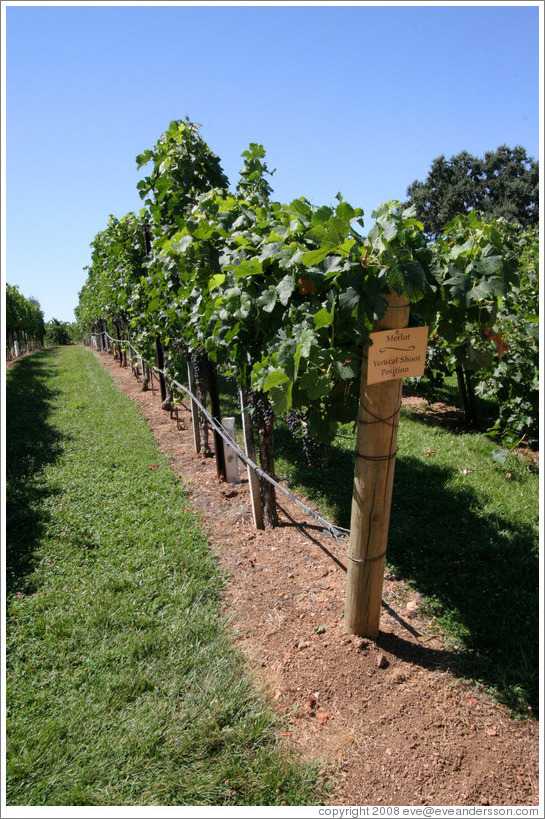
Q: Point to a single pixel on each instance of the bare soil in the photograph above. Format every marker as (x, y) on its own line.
(390, 719)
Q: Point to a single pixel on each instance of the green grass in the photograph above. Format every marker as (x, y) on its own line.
(123, 687)
(464, 532)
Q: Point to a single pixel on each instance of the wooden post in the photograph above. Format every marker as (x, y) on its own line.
(119, 347)
(249, 447)
(133, 358)
(378, 419)
(194, 407)
(145, 375)
(263, 418)
(216, 415)
(160, 366)
(231, 460)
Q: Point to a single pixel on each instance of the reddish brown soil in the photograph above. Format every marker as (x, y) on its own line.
(390, 720)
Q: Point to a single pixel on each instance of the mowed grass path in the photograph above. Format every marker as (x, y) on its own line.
(123, 687)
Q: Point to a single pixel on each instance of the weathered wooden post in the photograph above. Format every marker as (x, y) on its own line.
(215, 412)
(159, 355)
(119, 345)
(229, 455)
(146, 374)
(378, 419)
(194, 407)
(249, 446)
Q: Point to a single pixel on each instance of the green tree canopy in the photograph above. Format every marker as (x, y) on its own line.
(24, 314)
(504, 183)
(58, 332)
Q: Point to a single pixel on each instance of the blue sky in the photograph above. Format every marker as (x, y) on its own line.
(356, 98)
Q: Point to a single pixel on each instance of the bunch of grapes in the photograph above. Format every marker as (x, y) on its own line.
(312, 448)
(262, 411)
(198, 359)
(294, 422)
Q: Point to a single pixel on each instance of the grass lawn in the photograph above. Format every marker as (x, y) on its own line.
(464, 532)
(123, 687)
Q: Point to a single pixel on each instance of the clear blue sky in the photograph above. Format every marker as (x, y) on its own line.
(358, 99)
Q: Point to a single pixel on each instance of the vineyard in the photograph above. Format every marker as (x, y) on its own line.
(25, 327)
(283, 297)
(215, 303)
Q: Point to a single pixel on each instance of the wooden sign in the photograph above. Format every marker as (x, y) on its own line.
(397, 354)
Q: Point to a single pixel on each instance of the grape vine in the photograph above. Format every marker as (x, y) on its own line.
(281, 297)
(25, 326)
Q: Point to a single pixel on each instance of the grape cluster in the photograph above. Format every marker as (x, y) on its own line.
(262, 411)
(312, 448)
(294, 422)
(313, 451)
(198, 359)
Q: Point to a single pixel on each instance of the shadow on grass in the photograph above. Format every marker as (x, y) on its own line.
(478, 573)
(331, 483)
(450, 414)
(31, 444)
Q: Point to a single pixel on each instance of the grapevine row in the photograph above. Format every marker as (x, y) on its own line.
(281, 297)
(25, 327)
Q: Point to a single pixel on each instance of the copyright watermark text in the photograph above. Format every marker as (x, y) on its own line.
(428, 811)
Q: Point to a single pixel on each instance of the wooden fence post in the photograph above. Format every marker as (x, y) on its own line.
(229, 455)
(160, 366)
(249, 446)
(146, 372)
(216, 415)
(378, 419)
(194, 407)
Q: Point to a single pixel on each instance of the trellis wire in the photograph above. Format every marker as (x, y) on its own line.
(336, 531)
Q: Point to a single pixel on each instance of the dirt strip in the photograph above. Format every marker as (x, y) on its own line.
(391, 720)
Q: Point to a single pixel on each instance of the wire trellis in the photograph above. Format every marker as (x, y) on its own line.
(335, 531)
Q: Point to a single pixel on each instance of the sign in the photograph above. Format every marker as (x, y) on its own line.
(397, 354)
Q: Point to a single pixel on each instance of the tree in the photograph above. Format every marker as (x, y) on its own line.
(58, 332)
(504, 183)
